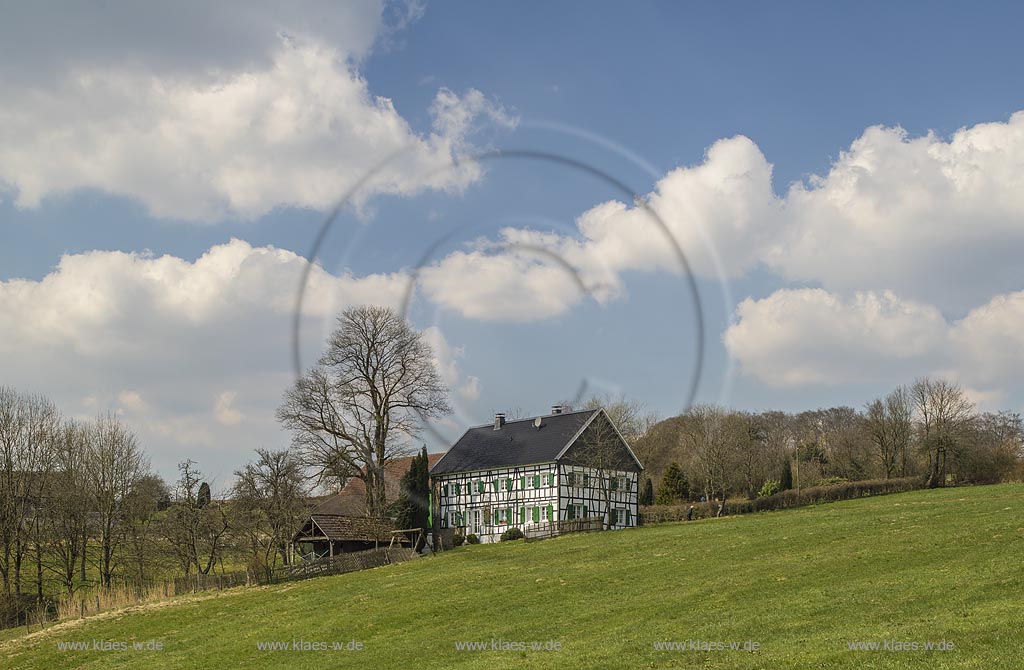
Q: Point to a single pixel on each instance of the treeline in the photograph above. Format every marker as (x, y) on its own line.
(81, 507)
(928, 429)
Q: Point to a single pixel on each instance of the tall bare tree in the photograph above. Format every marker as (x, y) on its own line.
(114, 465)
(357, 408)
(944, 413)
(889, 424)
(68, 511)
(28, 426)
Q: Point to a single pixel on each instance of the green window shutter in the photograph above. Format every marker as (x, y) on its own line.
(494, 484)
(496, 517)
(446, 489)
(508, 484)
(508, 515)
(615, 483)
(551, 515)
(584, 511)
(570, 479)
(570, 512)
(522, 482)
(628, 517)
(536, 515)
(458, 489)
(551, 479)
(536, 481)
(522, 515)
(613, 517)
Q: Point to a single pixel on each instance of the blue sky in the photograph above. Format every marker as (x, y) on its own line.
(211, 162)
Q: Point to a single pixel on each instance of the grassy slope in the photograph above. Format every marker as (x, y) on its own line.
(928, 565)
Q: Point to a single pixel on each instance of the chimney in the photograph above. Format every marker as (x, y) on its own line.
(557, 409)
(499, 420)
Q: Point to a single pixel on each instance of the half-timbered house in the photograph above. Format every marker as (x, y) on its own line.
(557, 467)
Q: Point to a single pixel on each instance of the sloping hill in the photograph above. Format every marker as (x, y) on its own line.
(941, 565)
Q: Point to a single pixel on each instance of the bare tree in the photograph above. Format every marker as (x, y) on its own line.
(68, 511)
(196, 532)
(148, 497)
(28, 425)
(709, 438)
(271, 498)
(357, 408)
(889, 424)
(943, 413)
(113, 466)
(629, 416)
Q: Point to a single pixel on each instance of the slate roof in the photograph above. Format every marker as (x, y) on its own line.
(517, 443)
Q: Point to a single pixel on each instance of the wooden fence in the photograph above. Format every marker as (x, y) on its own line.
(539, 531)
(28, 612)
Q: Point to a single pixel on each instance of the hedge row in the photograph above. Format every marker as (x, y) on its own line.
(791, 498)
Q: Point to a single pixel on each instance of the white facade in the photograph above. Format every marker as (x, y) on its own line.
(489, 502)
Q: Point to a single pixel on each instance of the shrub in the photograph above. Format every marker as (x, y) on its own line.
(472, 539)
(769, 488)
(512, 534)
(784, 499)
(832, 481)
(674, 486)
(458, 539)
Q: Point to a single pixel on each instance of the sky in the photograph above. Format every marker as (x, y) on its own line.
(782, 206)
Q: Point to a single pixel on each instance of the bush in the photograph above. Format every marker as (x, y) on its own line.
(769, 488)
(512, 534)
(472, 539)
(832, 481)
(784, 499)
(458, 539)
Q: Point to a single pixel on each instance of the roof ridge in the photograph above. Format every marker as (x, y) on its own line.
(539, 416)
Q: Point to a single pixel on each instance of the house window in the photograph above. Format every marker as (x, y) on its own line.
(532, 514)
(576, 511)
(570, 479)
(623, 483)
(619, 516)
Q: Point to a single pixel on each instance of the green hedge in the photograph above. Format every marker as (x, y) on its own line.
(790, 498)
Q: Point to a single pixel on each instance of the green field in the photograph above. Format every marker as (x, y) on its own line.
(941, 565)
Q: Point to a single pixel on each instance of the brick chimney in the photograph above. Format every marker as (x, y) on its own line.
(499, 420)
